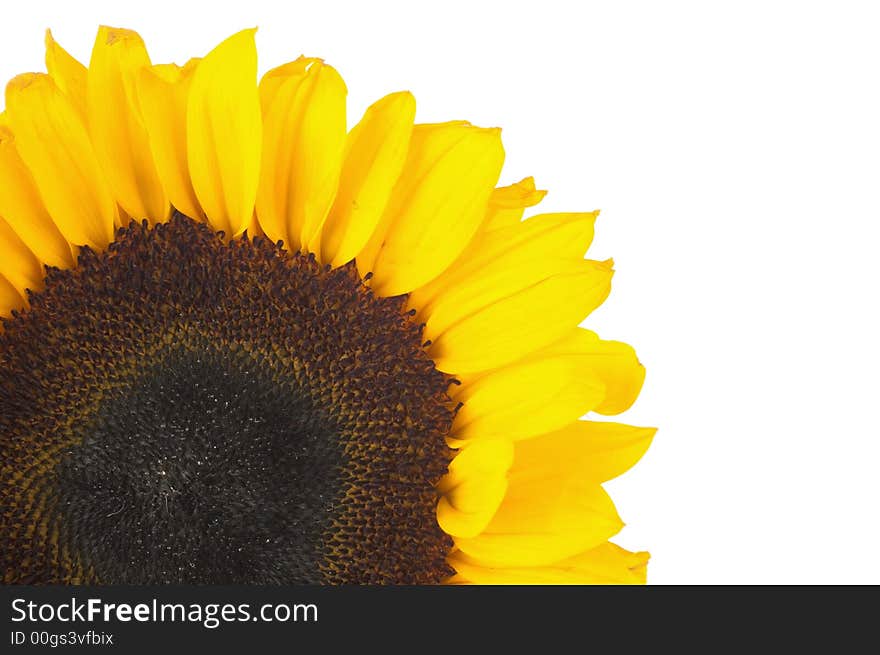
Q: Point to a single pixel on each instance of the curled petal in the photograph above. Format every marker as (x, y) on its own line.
(474, 487)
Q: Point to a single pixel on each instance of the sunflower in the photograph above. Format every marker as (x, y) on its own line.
(241, 344)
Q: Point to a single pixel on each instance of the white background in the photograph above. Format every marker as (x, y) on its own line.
(734, 149)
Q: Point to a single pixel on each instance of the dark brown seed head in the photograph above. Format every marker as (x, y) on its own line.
(184, 410)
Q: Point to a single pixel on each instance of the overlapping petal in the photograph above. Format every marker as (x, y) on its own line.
(23, 208)
(514, 308)
(474, 487)
(549, 389)
(53, 142)
(615, 363)
(375, 154)
(17, 263)
(605, 564)
(163, 93)
(304, 140)
(117, 130)
(538, 524)
(528, 398)
(69, 75)
(508, 204)
(436, 206)
(555, 519)
(10, 299)
(224, 133)
(545, 236)
(588, 449)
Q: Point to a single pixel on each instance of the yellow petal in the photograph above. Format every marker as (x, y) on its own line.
(303, 142)
(500, 316)
(587, 449)
(474, 487)
(53, 143)
(271, 207)
(273, 80)
(613, 362)
(225, 133)
(437, 205)
(566, 234)
(604, 564)
(117, 130)
(539, 524)
(366, 258)
(507, 204)
(253, 229)
(21, 205)
(17, 263)
(69, 75)
(551, 236)
(163, 92)
(506, 207)
(375, 153)
(10, 299)
(528, 398)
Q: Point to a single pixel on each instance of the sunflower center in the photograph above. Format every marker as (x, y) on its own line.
(204, 469)
(185, 410)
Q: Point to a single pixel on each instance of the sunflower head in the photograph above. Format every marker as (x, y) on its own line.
(244, 344)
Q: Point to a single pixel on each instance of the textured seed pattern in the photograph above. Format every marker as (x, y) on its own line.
(185, 409)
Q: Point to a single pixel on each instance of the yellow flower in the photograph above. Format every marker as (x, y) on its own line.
(242, 344)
